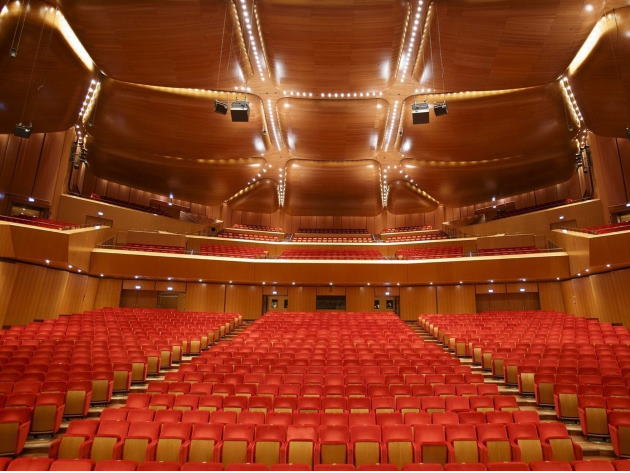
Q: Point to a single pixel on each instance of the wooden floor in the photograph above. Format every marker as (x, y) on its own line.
(600, 450)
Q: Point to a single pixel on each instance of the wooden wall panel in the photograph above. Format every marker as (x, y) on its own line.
(416, 300)
(458, 299)
(550, 294)
(245, 300)
(360, 299)
(205, 297)
(108, 293)
(518, 301)
(302, 299)
(8, 273)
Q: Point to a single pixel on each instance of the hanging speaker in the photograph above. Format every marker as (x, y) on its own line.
(420, 113)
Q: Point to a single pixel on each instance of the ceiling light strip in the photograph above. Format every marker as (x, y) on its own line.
(248, 19)
(394, 118)
(333, 95)
(90, 100)
(412, 41)
(282, 175)
(271, 114)
(576, 113)
(425, 34)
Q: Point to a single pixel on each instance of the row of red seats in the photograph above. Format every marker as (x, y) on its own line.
(508, 251)
(419, 237)
(323, 239)
(129, 205)
(154, 248)
(233, 251)
(431, 252)
(333, 230)
(37, 221)
(533, 208)
(332, 254)
(247, 236)
(408, 228)
(311, 445)
(450, 403)
(44, 464)
(265, 415)
(260, 228)
(603, 229)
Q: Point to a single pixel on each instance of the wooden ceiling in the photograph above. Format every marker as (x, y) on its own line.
(340, 188)
(173, 43)
(406, 198)
(45, 83)
(332, 45)
(601, 81)
(333, 129)
(330, 85)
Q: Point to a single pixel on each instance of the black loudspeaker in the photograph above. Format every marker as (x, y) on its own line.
(628, 133)
(440, 109)
(220, 107)
(420, 113)
(240, 111)
(23, 131)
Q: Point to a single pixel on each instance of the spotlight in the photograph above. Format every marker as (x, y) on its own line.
(13, 52)
(420, 113)
(23, 131)
(220, 107)
(240, 111)
(440, 109)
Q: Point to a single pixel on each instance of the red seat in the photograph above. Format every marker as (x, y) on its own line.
(334, 467)
(465, 467)
(398, 443)
(75, 442)
(115, 465)
(550, 466)
(494, 443)
(158, 466)
(423, 467)
(29, 464)
(237, 441)
(201, 466)
(301, 446)
(593, 465)
(15, 423)
(71, 465)
(205, 443)
(507, 466)
(140, 442)
(334, 445)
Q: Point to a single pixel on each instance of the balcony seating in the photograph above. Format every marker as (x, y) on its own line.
(604, 229)
(38, 222)
(347, 231)
(153, 248)
(431, 252)
(229, 251)
(128, 205)
(330, 239)
(248, 236)
(508, 251)
(259, 228)
(408, 228)
(533, 208)
(332, 254)
(437, 235)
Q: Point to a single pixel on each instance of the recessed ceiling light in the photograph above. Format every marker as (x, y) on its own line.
(47, 261)
(589, 7)
(138, 286)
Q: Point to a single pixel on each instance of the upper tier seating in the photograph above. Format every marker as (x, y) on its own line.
(154, 248)
(431, 252)
(417, 228)
(340, 239)
(603, 229)
(533, 208)
(59, 367)
(333, 230)
(508, 251)
(39, 222)
(419, 237)
(332, 254)
(129, 205)
(247, 236)
(581, 367)
(233, 251)
(260, 228)
(319, 390)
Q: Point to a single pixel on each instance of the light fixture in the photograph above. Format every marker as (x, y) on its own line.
(461, 282)
(100, 213)
(608, 265)
(561, 217)
(79, 271)
(170, 278)
(101, 275)
(558, 278)
(200, 280)
(169, 288)
(522, 289)
(136, 277)
(330, 283)
(47, 261)
(293, 283)
(431, 283)
(579, 274)
(220, 107)
(387, 293)
(138, 286)
(69, 266)
(264, 283)
(490, 291)
(230, 281)
(369, 284)
(22, 130)
(274, 293)
(588, 7)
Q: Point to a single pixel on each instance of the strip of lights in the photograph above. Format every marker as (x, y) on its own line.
(253, 47)
(334, 95)
(271, 114)
(282, 175)
(412, 41)
(394, 118)
(568, 95)
(89, 101)
(384, 189)
(403, 176)
(425, 34)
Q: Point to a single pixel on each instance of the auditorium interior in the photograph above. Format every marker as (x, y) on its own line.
(328, 235)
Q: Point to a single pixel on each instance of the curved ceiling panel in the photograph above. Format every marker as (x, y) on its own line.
(405, 198)
(46, 82)
(260, 197)
(482, 126)
(333, 187)
(174, 43)
(332, 45)
(209, 182)
(502, 44)
(333, 129)
(600, 77)
(466, 183)
(173, 125)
